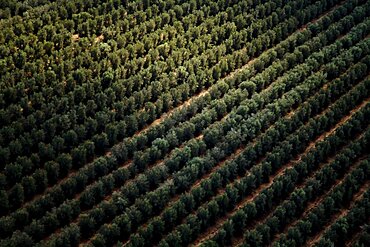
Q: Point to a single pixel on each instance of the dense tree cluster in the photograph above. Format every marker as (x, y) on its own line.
(150, 122)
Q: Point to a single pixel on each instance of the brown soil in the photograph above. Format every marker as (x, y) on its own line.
(99, 38)
(75, 37)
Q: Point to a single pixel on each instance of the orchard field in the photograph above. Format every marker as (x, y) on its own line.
(185, 123)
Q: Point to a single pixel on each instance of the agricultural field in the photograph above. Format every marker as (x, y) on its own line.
(185, 123)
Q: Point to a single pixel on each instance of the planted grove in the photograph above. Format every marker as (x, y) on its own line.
(184, 123)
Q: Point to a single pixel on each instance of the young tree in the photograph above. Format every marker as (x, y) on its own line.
(16, 195)
(21, 239)
(87, 225)
(29, 185)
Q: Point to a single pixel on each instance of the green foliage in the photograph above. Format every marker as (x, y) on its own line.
(178, 122)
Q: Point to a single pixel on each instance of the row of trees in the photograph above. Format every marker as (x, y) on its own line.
(198, 163)
(348, 225)
(84, 131)
(103, 166)
(259, 174)
(137, 188)
(212, 92)
(78, 155)
(312, 190)
(131, 22)
(337, 87)
(42, 180)
(185, 176)
(53, 126)
(235, 225)
(140, 186)
(341, 195)
(86, 55)
(57, 191)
